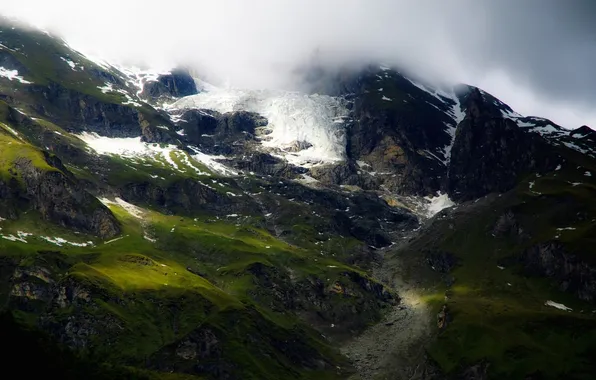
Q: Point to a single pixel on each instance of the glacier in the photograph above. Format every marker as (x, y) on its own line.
(315, 123)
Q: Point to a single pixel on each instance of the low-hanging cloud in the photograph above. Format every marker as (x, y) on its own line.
(536, 55)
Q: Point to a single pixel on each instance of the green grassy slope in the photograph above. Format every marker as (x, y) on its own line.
(497, 309)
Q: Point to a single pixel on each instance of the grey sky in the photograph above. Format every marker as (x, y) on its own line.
(536, 55)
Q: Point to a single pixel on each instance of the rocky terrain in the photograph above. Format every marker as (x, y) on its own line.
(372, 226)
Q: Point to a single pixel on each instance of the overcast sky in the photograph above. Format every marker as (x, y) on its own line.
(539, 56)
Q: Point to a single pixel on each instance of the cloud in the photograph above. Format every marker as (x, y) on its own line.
(535, 55)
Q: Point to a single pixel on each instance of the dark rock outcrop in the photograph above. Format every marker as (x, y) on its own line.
(440, 261)
(266, 164)
(568, 271)
(82, 112)
(176, 84)
(399, 129)
(58, 198)
(348, 301)
(491, 153)
(186, 197)
(219, 133)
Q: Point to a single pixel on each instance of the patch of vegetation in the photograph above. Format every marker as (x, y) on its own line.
(498, 312)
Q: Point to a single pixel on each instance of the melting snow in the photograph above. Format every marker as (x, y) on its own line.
(69, 62)
(210, 162)
(559, 306)
(386, 99)
(588, 174)
(133, 147)
(12, 75)
(60, 241)
(574, 147)
(438, 203)
(558, 167)
(293, 117)
(113, 240)
(20, 236)
(129, 207)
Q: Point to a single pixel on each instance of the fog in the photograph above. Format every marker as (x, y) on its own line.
(536, 55)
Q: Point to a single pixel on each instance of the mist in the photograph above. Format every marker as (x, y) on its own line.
(536, 55)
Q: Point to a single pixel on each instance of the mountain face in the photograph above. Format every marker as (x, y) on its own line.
(155, 226)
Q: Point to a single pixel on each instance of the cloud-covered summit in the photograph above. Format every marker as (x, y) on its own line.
(536, 55)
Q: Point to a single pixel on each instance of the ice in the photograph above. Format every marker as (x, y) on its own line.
(438, 203)
(12, 75)
(559, 306)
(293, 118)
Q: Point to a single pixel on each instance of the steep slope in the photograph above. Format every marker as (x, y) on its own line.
(162, 225)
(133, 246)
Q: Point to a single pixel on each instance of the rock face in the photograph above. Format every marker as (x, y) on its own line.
(491, 153)
(399, 135)
(219, 133)
(177, 84)
(568, 271)
(57, 198)
(186, 197)
(342, 303)
(266, 164)
(84, 112)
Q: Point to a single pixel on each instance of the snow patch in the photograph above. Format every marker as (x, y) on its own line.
(438, 203)
(588, 174)
(69, 63)
(12, 75)
(559, 306)
(60, 241)
(133, 210)
(21, 236)
(133, 147)
(210, 162)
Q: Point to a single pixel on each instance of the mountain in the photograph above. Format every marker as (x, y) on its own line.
(155, 226)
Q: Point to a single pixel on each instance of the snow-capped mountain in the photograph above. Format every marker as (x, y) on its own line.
(169, 227)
